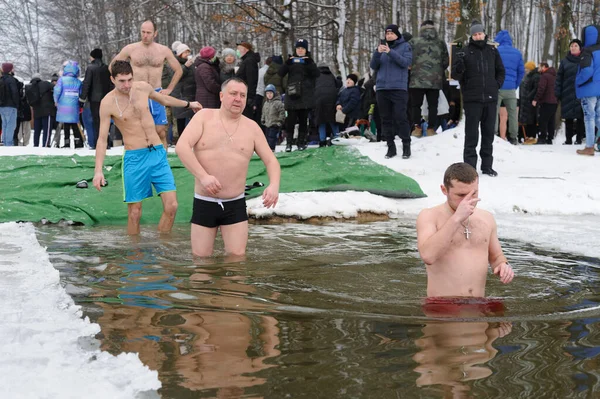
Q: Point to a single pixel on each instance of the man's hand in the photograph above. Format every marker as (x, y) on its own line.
(466, 207)
(189, 62)
(166, 92)
(195, 106)
(383, 48)
(505, 272)
(270, 197)
(99, 180)
(211, 184)
(339, 107)
(534, 103)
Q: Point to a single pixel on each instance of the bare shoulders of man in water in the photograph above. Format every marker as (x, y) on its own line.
(457, 242)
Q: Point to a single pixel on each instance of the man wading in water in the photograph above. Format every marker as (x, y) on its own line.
(147, 59)
(458, 242)
(144, 162)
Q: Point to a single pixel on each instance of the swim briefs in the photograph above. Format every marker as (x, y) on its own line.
(214, 212)
(158, 111)
(457, 306)
(144, 168)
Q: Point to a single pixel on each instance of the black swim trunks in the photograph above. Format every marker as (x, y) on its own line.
(215, 212)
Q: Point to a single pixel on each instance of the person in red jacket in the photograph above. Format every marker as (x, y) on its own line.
(547, 103)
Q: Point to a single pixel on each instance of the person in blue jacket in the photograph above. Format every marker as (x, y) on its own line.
(587, 85)
(391, 60)
(349, 100)
(514, 69)
(66, 98)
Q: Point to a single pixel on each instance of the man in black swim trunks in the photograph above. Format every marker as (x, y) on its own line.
(216, 148)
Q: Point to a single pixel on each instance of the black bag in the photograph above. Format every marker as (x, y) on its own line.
(32, 92)
(294, 90)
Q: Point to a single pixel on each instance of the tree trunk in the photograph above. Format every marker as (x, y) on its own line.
(499, 10)
(471, 9)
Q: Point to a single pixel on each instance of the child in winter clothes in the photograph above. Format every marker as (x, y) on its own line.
(273, 115)
(349, 100)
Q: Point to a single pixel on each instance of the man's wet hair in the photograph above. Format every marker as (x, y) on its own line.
(233, 79)
(460, 171)
(152, 22)
(121, 68)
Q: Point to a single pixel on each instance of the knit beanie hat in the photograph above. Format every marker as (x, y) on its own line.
(174, 45)
(302, 43)
(354, 78)
(229, 51)
(578, 42)
(394, 29)
(96, 54)
(7, 67)
(530, 65)
(207, 52)
(270, 87)
(476, 27)
(182, 48)
(427, 22)
(36, 75)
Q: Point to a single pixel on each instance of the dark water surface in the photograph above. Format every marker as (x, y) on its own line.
(330, 311)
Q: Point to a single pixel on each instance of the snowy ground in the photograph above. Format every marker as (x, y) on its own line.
(545, 195)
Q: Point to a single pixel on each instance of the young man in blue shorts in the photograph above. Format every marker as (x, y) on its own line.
(144, 162)
(216, 148)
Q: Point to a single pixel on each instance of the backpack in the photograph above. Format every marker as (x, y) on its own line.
(32, 92)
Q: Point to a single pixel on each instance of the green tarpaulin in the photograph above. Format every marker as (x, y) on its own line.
(33, 187)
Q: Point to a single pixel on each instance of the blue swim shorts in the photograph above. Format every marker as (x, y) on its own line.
(144, 168)
(158, 111)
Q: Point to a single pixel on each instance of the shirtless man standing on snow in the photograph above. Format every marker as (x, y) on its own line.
(144, 161)
(147, 59)
(458, 242)
(216, 148)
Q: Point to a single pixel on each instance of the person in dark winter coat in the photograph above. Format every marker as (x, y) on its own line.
(185, 89)
(9, 103)
(248, 72)
(273, 115)
(326, 93)
(514, 71)
(587, 85)
(272, 75)
(391, 60)
(547, 103)
(42, 102)
(208, 85)
(301, 72)
(349, 100)
(564, 90)
(479, 69)
(527, 112)
(96, 85)
(227, 64)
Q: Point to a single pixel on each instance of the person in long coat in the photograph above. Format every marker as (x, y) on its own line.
(185, 88)
(326, 92)
(527, 112)
(564, 89)
(208, 84)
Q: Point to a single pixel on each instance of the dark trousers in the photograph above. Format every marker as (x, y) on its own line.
(416, 99)
(547, 122)
(530, 130)
(249, 110)
(392, 108)
(477, 114)
(93, 139)
(42, 126)
(299, 116)
(76, 134)
(574, 128)
(181, 124)
(258, 103)
(272, 136)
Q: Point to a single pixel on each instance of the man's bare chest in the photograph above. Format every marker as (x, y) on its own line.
(472, 233)
(146, 58)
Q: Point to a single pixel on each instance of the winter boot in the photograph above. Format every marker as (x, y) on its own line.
(587, 151)
(541, 139)
(417, 132)
(78, 143)
(430, 132)
(67, 144)
(322, 144)
(391, 152)
(288, 144)
(405, 150)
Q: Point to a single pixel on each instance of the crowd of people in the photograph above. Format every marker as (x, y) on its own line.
(305, 101)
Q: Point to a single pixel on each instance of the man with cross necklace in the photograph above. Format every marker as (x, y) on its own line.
(216, 147)
(458, 242)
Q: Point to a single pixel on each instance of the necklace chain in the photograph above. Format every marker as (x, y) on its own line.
(467, 232)
(229, 136)
(119, 108)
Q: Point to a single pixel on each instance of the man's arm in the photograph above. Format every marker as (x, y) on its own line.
(586, 69)
(496, 257)
(185, 152)
(500, 71)
(101, 144)
(177, 71)
(375, 60)
(402, 56)
(124, 55)
(87, 85)
(431, 242)
(172, 101)
(261, 147)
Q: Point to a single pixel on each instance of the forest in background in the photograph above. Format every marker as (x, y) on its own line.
(39, 35)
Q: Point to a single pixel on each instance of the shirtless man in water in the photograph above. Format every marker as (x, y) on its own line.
(216, 148)
(458, 242)
(147, 59)
(144, 162)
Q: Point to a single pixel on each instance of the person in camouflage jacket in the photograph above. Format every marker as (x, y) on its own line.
(430, 60)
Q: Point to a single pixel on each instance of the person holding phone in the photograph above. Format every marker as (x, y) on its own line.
(391, 60)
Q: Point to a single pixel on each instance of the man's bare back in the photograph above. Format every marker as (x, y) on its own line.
(132, 116)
